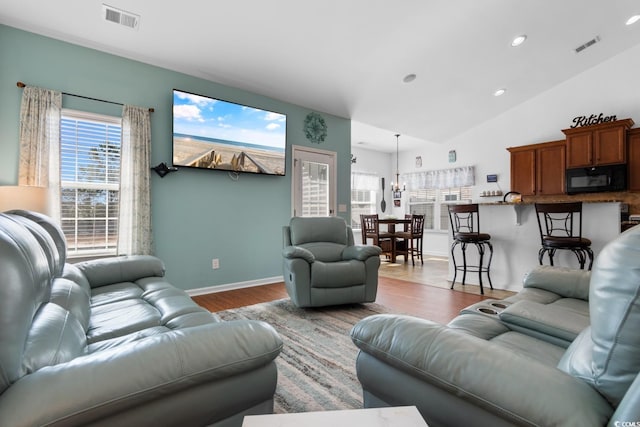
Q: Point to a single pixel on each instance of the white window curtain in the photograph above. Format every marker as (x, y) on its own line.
(364, 181)
(40, 112)
(134, 221)
(444, 178)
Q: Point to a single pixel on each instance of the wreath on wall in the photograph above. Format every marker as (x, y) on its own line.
(315, 128)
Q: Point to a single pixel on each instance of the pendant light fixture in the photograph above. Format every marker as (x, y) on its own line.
(396, 187)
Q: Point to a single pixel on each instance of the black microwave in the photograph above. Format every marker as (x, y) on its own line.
(597, 179)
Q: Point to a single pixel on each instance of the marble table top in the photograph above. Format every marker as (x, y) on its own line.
(402, 416)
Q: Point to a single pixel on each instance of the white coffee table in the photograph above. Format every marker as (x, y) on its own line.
(401, 416)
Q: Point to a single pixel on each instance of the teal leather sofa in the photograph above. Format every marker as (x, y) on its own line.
(537, 359)
(322, 266)
(110, 342)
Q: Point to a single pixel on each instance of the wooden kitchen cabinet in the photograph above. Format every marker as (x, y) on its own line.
(523, 170)
(633, 166)
(538, 169)
(601, 144)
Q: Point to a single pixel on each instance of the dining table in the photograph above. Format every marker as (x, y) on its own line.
(391, 230)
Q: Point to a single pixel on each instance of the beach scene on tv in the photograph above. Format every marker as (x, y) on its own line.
(214, 134)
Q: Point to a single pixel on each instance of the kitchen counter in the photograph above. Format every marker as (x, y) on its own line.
(516, 239)
(533, 202)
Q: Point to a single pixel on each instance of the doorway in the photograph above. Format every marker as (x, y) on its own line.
(313, 182)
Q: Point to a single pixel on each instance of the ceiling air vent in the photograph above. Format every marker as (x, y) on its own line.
(590, 43)
(119, 16)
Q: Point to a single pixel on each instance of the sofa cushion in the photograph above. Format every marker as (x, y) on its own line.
(124, 309)
(337, 274)
(325, 251)
(329, 229)
(126, 339)
(110, 294)
(490, 328)
(55, 337)
(72, 297)
(55, 232)
(121, 318)
(560, 319)
(562, 281)
(25, 287)
(121, 269)
(46, 241)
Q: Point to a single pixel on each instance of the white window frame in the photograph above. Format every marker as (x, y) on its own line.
(368, 207)
(437, 199)
(74, 249)
(364, 194)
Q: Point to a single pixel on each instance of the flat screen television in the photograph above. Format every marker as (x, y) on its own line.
(210, 133)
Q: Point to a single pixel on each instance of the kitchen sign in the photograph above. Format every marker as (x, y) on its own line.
(592, 120)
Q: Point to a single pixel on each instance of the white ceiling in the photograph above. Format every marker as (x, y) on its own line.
(348, 57)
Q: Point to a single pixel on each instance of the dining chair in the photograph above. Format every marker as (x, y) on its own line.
(371, 230)
(560, 226)
(413, 233)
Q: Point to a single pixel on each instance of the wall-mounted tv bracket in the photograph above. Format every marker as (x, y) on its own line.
(162, 169)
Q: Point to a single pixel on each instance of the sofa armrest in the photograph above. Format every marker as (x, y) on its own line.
(107, 271)
(545, 319)
(511, 385)
(292, 252)
(563, 281)
(107, 382)
(360, 252)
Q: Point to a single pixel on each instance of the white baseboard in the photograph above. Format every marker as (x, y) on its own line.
(233, 286)
(438, 254)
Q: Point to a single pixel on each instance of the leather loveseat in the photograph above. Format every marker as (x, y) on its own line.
(110, 342)
(538, 359)
(322, 265)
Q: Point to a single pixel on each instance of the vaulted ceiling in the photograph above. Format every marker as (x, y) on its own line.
(349, 57)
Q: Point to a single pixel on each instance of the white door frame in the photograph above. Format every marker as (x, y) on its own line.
(299, 152)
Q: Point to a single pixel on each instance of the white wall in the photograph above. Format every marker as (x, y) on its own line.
(611, 88)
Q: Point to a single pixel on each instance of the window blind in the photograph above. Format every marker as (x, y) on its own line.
(90, 181)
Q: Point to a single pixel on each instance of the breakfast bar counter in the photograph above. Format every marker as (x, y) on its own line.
(516, 239)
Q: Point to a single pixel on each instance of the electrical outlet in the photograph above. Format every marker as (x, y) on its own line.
(215, 263)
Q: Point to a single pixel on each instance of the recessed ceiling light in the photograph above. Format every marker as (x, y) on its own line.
(499, 92)
(517, 41)
(633, 19)
(409, 78)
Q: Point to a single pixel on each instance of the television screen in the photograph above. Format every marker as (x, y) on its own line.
(210, 133)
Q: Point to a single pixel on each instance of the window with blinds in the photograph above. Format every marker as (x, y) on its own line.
(432, 203)
(363, 202)
(90, 182)
(363, 196)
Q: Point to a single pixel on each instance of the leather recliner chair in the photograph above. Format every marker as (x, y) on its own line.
(485, 371)
(322, 266)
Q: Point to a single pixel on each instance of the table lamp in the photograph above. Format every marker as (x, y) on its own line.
(23, 197)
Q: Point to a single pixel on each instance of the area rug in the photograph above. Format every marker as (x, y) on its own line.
(316, 369)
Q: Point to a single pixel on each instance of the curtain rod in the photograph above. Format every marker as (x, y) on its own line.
(21, 85)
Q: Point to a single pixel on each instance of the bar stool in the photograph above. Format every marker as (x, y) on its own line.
(560, 226)
(465, 228)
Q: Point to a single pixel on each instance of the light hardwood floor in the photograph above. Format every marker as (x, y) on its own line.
(404, 291)
(435, 272)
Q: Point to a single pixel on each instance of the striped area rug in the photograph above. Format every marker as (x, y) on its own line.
(316, 369)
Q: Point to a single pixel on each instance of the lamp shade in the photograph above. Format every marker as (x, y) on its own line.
(23, 197)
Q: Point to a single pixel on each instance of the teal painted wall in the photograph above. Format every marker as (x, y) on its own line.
(197, 214)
